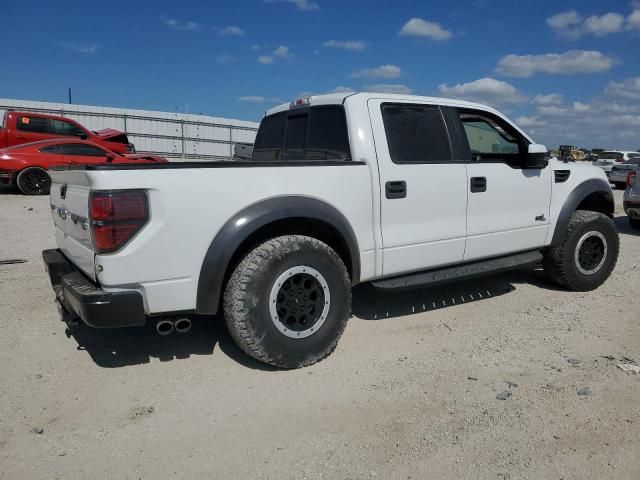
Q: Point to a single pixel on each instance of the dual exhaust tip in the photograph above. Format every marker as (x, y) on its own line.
(167, 327)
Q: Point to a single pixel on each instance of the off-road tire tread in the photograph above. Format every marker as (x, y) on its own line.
(237, 296)
(554, 263)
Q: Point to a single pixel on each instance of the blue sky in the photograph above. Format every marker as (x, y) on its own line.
(568, 72)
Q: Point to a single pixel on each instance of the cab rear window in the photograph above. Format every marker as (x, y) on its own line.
(316, 133)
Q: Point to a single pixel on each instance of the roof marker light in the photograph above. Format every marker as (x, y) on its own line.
(301, 102)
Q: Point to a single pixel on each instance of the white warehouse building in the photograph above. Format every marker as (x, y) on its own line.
(177, 136)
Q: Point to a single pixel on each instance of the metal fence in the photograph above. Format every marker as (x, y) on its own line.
(178, 136)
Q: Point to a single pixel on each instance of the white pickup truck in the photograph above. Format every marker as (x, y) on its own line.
(398, 190)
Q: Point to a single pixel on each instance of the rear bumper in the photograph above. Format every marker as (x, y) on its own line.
(95, 307)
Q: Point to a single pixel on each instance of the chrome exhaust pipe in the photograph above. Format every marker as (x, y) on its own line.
(164, 327)
(182, 325)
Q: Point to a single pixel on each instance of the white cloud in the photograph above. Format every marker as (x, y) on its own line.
(343, 90)
(353, 45)
(186, 25)
(231, 30)
(383, 71)
(602, 122)
(551, 99)
(528, 122)
(628, 88)
(389, 88)
(417, 27)
(255, 47)
(571, 24)
(283, 52)
(280, 53)
(252, 99)
(300, 4)
(224, 59)
(633, 20)
(605, 24)
(258, 99)
(564, 19)
(487, 90)
(571, 62)
(88, 49)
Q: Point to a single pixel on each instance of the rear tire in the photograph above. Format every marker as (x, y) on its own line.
(34, 181)
(288, 301)
(587, 255)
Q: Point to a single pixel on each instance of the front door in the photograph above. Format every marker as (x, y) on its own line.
(508, 209)
(423, 189)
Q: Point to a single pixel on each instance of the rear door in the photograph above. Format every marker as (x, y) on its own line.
(423, 187)
(29, 129)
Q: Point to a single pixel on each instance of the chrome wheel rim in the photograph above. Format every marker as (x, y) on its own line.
(591, 253)
(299, 302)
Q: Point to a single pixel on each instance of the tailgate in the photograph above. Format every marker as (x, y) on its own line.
(70, 209)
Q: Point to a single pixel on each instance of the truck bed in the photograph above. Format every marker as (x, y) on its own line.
(189, 205)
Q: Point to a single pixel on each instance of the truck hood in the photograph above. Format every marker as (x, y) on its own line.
(108, 133)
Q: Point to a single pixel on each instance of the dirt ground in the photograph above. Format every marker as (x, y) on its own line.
(410, 393)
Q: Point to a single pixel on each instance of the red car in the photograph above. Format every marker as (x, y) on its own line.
(26, 165)
(27, 127)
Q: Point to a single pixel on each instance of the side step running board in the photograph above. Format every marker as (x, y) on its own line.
(459, 272)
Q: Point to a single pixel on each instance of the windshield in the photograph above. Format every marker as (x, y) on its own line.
(634, 160)
(316, 133)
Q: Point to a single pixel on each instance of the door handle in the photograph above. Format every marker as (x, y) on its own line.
(395, 189)
(478, 184)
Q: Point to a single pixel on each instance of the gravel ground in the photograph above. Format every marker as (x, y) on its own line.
(413, 390)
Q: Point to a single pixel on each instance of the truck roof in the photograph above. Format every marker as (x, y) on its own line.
(339, 98)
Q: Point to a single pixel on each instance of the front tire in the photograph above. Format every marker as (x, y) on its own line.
(34, 181)
(634, 222)
(587, 255)
(288, 301)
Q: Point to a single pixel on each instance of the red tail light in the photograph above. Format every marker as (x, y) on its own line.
(631, 179)
(116, 217)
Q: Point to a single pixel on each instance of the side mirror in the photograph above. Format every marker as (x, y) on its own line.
(109, 157)
(83, 136)
(537, 156)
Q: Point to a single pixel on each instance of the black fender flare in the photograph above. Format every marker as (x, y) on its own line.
(244, 223)
(573, 200)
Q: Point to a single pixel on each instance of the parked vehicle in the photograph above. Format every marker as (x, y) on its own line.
(631, 201)
(27, 127)
(25, 166)
(607, 160)
(619, 173)
(397, 190)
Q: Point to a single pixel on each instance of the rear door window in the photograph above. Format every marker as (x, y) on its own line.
(416, 133)
(316, 133)
(33, 124)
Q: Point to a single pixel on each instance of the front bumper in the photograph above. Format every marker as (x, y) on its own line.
(7, 177)
(81, 297)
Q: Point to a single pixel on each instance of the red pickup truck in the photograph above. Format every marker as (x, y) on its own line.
(27, 127)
